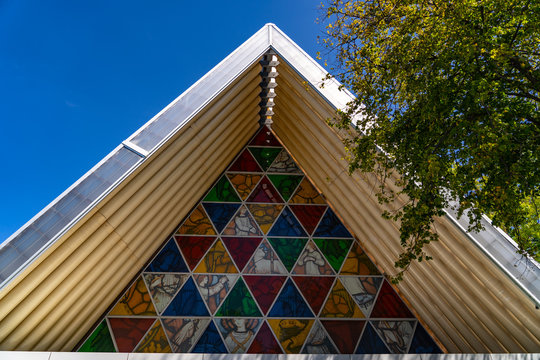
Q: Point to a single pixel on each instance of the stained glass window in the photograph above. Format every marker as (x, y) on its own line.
(261, 265)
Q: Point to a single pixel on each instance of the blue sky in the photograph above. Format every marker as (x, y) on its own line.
(78, 77)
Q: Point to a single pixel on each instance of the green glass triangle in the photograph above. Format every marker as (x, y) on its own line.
(335, 250)
(99, 341)
(285, 184)
(239, 302)
(264, 156)
(288, 250)
(222, 191)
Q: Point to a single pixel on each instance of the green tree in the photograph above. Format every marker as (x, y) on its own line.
(449, 91)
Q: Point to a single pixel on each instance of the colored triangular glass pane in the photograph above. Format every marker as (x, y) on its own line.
(238, 333)
(214, 288)
(244, 183)
(284, 164)
(239, 302)
(363, 290)
(312, 262)
(397, 335)
(194, 247)
(163, 287)
(241, 249)
(265, 138)
(188, 302)
(371, 343)
(358, 263)
(287, 225)
(136, 301)
(210, 342)
(285, 184)
(265, 214)
(314, 289)
(129, 331)
(422, 343)
(335, 250)
(331, 226)
(308, 215)
(265, 261)
(245, 162)
(168, 260)
(288, 249)
(345, 333)
(318, 342)
(99, 341)
(184, 333)
(264, 289)
(389, 304)
(154, 341)
(242, 224)
(265, 192)
(291, 333)
(220, 213)
(290, 303)
(264, 342)
(264, 156)
(340, 304)
(222, 192)
(197, 223)
(216, 260)
(307, 194)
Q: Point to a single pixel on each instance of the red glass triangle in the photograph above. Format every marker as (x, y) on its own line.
(265, 192)
(389, 304)
(265, 138)
(308, 215)
(345, 333)
(265, 342)
(314, 289)
(245, 162)
(265, 289)
(129, 331)
(241, 249)
(194, 247)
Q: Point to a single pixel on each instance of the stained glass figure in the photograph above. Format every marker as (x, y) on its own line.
(331, 226)
(265, 156)
(129, 331)
(291, 333)
(216, 260)
(265, 138)
(334, 250)
(363, 290)
(340, 304)
(244, 183)
(371, 343)
(264, 289)
(344, 333)
(154, 341)
(194, 247)
(99, 341)
(265, 261)
(389, 304)
(314, 289)
(397, 335)
(422, 343)
(358, 263)
(184, 333)
(245, 162)
(136, 301)
(285, 184)
(238, 333)
(287, 225)
(168, 260)
(308, 215)
(197, 223)
(288, 249)
(311, 262)
(265, 192)
(188, 302)
(265, 214)
(210, 342)
(242, 224)
(163, 287)
(241, 249)
(318, 342)
(284, 164)
(220, 213)
(222, 192)
(265, 342)
(214, 288)
(239, 302)
(307, 194)
(290, 303)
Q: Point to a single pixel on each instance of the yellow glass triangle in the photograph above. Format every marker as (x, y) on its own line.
(340, 304)
(216, 260)
(265, 214)
(306, 194)
(198, 223)
(244, 183)
(155, 341)
(358, 263)
(291, 333)
(136, 301)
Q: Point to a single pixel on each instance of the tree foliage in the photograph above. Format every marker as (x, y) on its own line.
(449, 91)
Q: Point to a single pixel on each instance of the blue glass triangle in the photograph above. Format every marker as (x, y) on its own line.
(422, 343)
(168, 260)
(287, 225)
(330, 226)
(290, 303)
(210, 341)
(188, 302)
(220, 213)
(371, 343)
